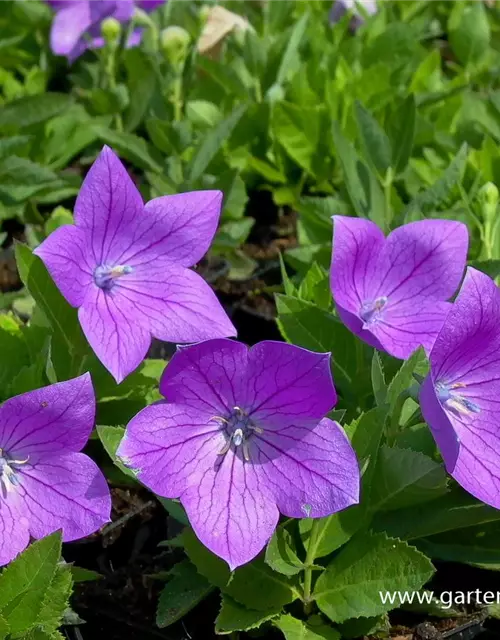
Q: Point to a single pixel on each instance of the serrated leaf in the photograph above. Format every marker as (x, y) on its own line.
(403, 478)
(280, 553)
(56, 599)
(254, 585)
(350, 586)
(4, 628)
(469, 31)
(129, 146)
(378, 380)
(404, 377)
(212, 142)
(32, 110)
(182, 593)
(111, 436)
(24, 583)
(404, 134)
(141, 82)
(80, 574)
(294, 629)
(235, 617)
(360, 627)
(297, 131)
(291, 56)
(376, 145)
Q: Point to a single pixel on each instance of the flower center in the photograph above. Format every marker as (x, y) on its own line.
(238, 429)
(106, 276)
(8, 476)
(371, 311)
(450, 399)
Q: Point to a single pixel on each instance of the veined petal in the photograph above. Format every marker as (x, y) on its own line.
(69, 25)
(57, 418)
(66, 254)
(149, 5)
(174, 303)
(67, 492)
(231, 511)
(14, 528)
(109, 208)
(209, 376)
(114, 332)
(406, 326)
(312, 472)
(285, 384)
(422, 259)
(180, 227)
(356, 245)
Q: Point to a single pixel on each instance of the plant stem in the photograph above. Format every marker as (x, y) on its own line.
(310, 557)
(395, 417)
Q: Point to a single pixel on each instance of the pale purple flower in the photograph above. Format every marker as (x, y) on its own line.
(77, 24)
(243, 438)
(392, 292)
(46, 484)
(341, 7)
(124, 265)
(460, 398)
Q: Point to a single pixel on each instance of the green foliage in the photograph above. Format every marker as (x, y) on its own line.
(183, 591)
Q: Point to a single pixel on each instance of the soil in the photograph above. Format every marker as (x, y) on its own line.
(122, 604)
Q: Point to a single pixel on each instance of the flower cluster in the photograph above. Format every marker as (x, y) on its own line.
(77, 25)
(244, 433)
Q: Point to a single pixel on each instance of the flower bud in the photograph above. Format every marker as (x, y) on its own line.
(111, 30)
(276, 93)
(488, 197)
(174, 42)
(204, 13)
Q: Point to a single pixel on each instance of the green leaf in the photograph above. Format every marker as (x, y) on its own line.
(376, 145)
(281, 555)
(224, 75)
(297, 130)
(4, 628)
(403, 478)
(469, 31)
(266, 170)
(56, 599)
(362, 186)
(404, 377)
(404, 134)
(378, 380)
(32, 110)
(371, 563)
(254, 585)
(58, 312)
(203, 113)
(183, 592)
(290, 58)
(59, 217)
(361, 627)
(235, 617)
(213, 142)
(294, 629)
(141, 82)
(24, 583)
(130, 147)
(111, 437)
(80, 574)
(454, 510)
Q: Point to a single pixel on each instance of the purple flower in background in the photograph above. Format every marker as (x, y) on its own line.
(77, 23)
(242, 438)
(392, 292)
(45, 483)
(124, 264)
(341, 7)
(460, 396)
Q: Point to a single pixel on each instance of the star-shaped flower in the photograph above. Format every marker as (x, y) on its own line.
(392, 292)
(460, 396)
(243, 438)
(124, 265)
(45, 483)
(77, 24)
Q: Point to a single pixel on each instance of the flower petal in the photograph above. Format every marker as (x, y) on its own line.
(57, 418)
(14, 528)
(425, 258)
(231, 511)
(116, 337)
(109, 208)
(66, 255)
(65, 492)
(68, 26)
(466, 359)
(173, 303)
(149, 5)
(171, 446)
(312, 472)
(406, 326)
(209, 376)
(180, 227)
(356, 245)
(287, 384)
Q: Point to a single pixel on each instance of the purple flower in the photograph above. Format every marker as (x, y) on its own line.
(242, 438)
(124, 264)
(391, 292)
(341, 7)
(460, 396)
(45, 483)
(77, 23)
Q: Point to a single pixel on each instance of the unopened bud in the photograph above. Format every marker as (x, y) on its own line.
(204, 13)
(111, 30)
(276, 93)
(488, 197)
(174, 42)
